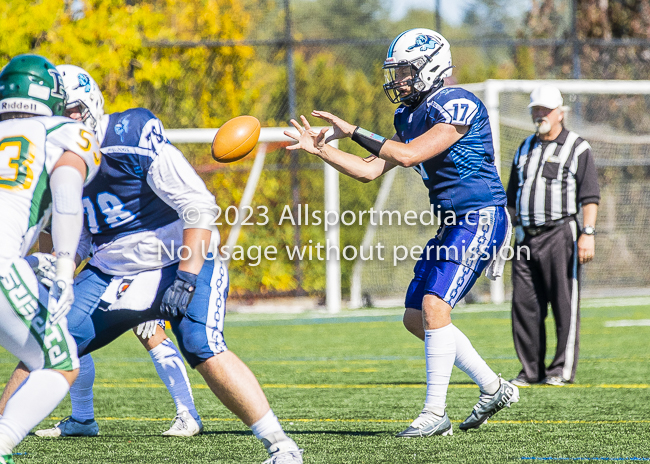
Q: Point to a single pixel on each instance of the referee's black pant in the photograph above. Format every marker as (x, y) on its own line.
(551, 275)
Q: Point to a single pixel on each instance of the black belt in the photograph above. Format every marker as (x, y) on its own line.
(535, 231)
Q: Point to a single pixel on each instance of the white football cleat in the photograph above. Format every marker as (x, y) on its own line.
(184, 425)
(428, 424)
(284, 452)
(555, 380)
(488, 405)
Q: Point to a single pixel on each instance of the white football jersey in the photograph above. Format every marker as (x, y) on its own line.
(29, 150)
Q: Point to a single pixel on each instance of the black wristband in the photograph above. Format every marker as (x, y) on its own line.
(368, 140)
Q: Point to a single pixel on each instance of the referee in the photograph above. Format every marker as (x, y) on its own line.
(553, 175)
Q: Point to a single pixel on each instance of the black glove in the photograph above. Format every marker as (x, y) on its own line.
(178, 296)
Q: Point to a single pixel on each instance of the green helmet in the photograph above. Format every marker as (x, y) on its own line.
(31, 84)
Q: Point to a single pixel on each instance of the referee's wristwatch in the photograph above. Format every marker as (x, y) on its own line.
(589, 230)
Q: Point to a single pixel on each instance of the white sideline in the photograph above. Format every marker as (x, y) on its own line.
(628, 323)
(464, 309)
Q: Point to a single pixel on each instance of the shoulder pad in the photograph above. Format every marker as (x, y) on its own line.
(74, 136)
(134, 128)
(454, 105)
(450, 93)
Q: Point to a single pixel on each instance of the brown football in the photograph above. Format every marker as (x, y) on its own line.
(236, 139)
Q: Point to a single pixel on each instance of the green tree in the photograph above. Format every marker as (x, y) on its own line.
(192, 87)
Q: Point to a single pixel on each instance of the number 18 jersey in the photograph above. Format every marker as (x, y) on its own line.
(29, 150)
(120, 201)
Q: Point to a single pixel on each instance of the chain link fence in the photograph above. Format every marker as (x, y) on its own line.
(311, 56)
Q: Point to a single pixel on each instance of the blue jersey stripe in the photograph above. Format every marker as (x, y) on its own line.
(392, 45)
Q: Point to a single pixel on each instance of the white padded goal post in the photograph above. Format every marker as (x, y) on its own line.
(331, 192)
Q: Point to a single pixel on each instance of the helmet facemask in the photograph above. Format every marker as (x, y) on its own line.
(402, 82)
(86, 116)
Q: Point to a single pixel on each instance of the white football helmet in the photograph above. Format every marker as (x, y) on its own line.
(83, 91)
(418, 60)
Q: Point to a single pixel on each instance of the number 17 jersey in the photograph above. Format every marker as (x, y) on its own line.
(462, 178)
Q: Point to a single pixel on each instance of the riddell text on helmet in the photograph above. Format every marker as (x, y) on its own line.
(18, 106)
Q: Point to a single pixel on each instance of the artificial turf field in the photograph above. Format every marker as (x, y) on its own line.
(343, 386)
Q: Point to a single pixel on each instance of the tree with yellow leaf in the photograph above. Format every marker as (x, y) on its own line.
(185, 87)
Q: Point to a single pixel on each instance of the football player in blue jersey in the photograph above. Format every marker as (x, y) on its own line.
(145, 201)
(444, 134)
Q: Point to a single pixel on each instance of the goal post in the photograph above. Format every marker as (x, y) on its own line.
(331, 193)
(612, 116)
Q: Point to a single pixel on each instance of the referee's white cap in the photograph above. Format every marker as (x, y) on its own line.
(547, 96)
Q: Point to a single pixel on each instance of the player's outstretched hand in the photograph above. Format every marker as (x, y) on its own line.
(179, 295)
(342, 129)
(308, 140)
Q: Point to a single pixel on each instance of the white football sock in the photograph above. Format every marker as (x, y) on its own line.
(81, 392)
(171, 369)
(470, 362)
(30, 404)
(267, 425)
(439, 352)
(6, 445)
(269, 430)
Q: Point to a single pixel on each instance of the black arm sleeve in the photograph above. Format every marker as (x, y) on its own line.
(513, 186)
(511, 194)
(587, 179)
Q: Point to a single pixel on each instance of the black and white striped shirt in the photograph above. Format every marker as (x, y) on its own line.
(550, 180)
